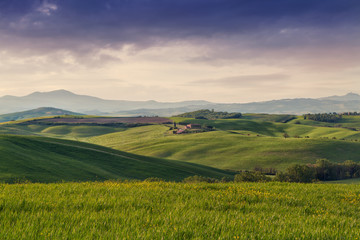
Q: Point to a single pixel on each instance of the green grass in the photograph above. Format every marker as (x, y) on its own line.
(29, 119)
(59, 131)
(114, 210)
(78, 131)
(345, 181)
(268, 117)
(260, 127)
(35, 113)
(40, 159)
(237, 144)
(346, 122)
(274, 129)
(229, 149)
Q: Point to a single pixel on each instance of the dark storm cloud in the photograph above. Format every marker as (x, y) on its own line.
(70, 24)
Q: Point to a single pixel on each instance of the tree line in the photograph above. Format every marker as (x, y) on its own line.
(209, 114)
(323, 117)
(329, 117)
(350, 113)
(322, 170)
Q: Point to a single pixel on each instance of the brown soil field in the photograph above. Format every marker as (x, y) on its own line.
(103, 120)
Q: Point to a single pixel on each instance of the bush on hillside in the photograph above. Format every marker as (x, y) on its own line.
(323, 170)
(198, 179)
(154, 179)
(324, 117)
(251, 177)
(301, 173)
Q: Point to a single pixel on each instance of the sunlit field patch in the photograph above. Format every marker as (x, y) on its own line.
(163, 210)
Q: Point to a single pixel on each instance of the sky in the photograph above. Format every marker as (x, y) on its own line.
(175, 50)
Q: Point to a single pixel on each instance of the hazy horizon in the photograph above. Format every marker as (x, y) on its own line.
(56, 90)
(220, 51)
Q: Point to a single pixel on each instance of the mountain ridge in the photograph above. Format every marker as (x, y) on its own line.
(70, 101)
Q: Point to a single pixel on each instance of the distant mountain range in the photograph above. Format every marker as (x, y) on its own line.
(92, 105)
(81, 103)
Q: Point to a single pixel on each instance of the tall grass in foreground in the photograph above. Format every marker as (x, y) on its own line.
(161, 210)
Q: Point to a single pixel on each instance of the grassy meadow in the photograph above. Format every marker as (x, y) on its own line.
(90, 188)
(73, 132)
(276, 129)
(237, 144)
(232, 149)
(163, 210)
(346, 122)
(39, 159)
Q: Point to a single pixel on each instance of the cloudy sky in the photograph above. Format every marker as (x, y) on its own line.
(172, 50)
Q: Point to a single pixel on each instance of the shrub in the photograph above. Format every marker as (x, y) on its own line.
(225, 180)
(197, 179)
(301, 173)
(285, 135)
(323, 170)
(281, 177)
(154, 179)
(251, 177)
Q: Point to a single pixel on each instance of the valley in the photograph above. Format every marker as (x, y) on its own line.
(251, 141)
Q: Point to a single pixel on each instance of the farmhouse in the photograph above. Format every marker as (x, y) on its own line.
(193, 126)
(180, 131)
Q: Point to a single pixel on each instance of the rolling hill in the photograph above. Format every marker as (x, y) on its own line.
(237, 144)
(251, 144)
(40, 159)
(34, 113)
(60, 131)
(276, 129)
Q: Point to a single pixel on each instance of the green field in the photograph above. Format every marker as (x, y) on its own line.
(237, 144)
(346, 122)
(275, 129)
(143, 210)
(35, 113)
(69, 206)
(233, 149)
(345, 181)
(268, 117)
(40, 159)
(72, 132)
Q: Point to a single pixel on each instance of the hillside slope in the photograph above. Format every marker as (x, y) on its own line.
(233, 149)
(50, 160)
(275, 129)
(34, 113)
(60, 131)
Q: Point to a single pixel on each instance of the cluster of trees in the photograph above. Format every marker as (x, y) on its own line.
(350, 113)
(267, 171)
(323, 170)
(251, 177)
(324, 117)
(245, 176)
(209, 114)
